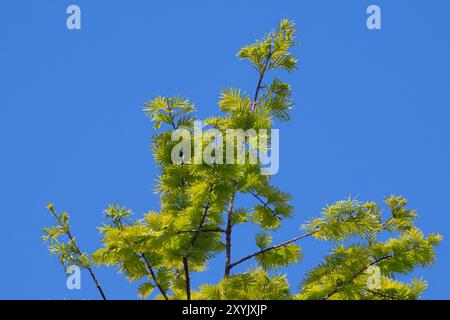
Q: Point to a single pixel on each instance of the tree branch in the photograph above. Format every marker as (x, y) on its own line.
(357, 274)
(88, 267)
(185, 260)
(228, 235)
(121, 225)
(261, 77)
(383, 226)
(169, 109)
(188, 280)
(194, 237)
(202, 219)
(78, 251)
(271, 248)
(383, 295)
(150, 269)
(265, 204)
(202, 230)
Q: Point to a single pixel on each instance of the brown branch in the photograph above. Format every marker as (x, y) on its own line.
(250, 256)
(228, 235)
(202, 230)
(150, 269)
(78, 251)
(383, 295)
(119, 224)
(169, 109)
(265, 204)
(97, 284)
(261, 77)
(382, 227)
(202, 219)
(194, 237)
(357, 274)
(185, 260)
(88, 267)
(188, 280)
(283, 244)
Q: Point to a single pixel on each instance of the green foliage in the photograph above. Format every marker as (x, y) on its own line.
(197, 214)
(62, 243)
(281, 257)
(256, 284)
(164, 110)
(145, 289)
(272, 52)
(343, 273)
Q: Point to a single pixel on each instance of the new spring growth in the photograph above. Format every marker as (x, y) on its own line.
(237, 146)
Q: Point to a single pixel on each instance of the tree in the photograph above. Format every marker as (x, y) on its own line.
(198, 211)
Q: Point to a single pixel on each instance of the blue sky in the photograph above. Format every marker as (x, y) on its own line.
(371, 116)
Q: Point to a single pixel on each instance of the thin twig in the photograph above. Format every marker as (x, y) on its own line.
(261, 77)
(265, 204)
(194, 237)
(169, 109)
(250, 256)
(202, 221)
(383, 295)
(121, 225)
(357, 274)
(88, 267)
(78, 251)
(202, 230)
(155, 279)
(382, 227)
